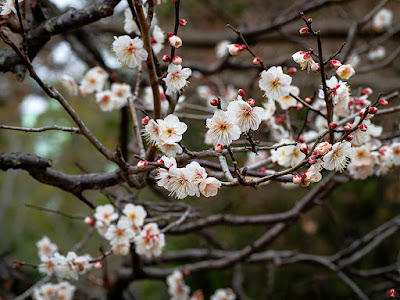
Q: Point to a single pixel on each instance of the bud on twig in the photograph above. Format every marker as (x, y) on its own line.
(372, 110)
(303, 31)
(145, 120)
(297, 179)
(349, 138)
(218, 148)
(362, 127)
(304, 148)
(292, 70)
(89, 221)
(312, 160)
(214, 102)
(160, 162)
(348, 127)
(333, 125)
(383, 102)
(166, 58)
(251, 102)
(142, 164)
(177, 60)
(256, 60)
(241, 92)
(182, 22)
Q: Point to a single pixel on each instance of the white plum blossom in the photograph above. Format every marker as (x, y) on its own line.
(275, 83)
(106, 101)
(47, 265)
(345, 71)
(8, 8)
(170, 129)
(50, 291)
(70, 84)
(222, 48)
(129, 51)
(222, 128)
(209, 186)
(304, 59)
(148, 100)
(339, 91)
(338, 158)
(120, 93)
(382, 19)
(46, 247)
(288, 101)
(150, 242)
(223, 294)
(376, 53)
(135, 214)
(177, 288)
(120, 233)
(157, 39)
(104, 215)
(122, 248)
(180, 184)
(129, 23)
(152, 132)
(287, 156)
(170, 149)
(383, 159)
(176, 78)
(197, 172)
(93, 81)
(246, 116)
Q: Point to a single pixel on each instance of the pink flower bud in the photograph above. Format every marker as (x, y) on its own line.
(348, 127)
(278, 121)
(303, 31)
(175, 41)
(242, 47)
(383, 102)
(282, 116)
(234, 49)
(349, 138)
(17, 265)
(301, 139)
(309, 21)
(142, 164)
(256, 60)
(322, 148)
(312, 160)
(262, 169)
(304, 175)
(333, 125)
(372, 110)
(182, 22)
(335, 63)
(166, 58)
(169, 34)
(186, 272)
(304, 148)
(308, 100)
(366, 91)
(297, 179)
(363, 127)
(352, 101)
(160, 162)
(113, 75)
(292, 70)
(218, 148)
(177, 60)
(251, 102)
(214, 102)
(145, 120)
(241, 92)
(98, 265)
(89, 221)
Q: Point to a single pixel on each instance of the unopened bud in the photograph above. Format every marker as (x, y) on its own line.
(348, 127)
(312, 160)
(262, 169)
(303, 31)
(304, 148)
(17, 265)
(182, 22)
(113, 75)
(242, 47)
(333, 125)
(166, 58)
(278, 121)
(145, 120)
(160, 162)
(251, 102)
(307, 100)
(234, 49)
(256, 60)
(98, 265)
(214, 102)
(362, 127)
(169, 34)
(241, 92)
(383, 102)
(142, 164)
(218, 148)
(372, 110)
(292, 70)
(186, 272)
(175, 41)
(309, 21)
(177, 60)
(304, 175)
(366, 91)
(335, 63)
(349, 138)
(297, 179)
(89, 221)
(283, 116)
(301, 139)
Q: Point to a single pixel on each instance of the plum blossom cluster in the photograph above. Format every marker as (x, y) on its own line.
(165, 134)
(188, 181)
(122, 230)
(50, 291)
(240, 116)
(178, 290)
(64, 267)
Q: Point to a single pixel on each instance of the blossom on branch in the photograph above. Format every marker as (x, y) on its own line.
(176, 78)
(222, 128)
(246, 116)
(275, 83)
(129, 51)
(338, 158)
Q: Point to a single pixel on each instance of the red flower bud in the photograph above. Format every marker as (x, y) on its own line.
(17, 265)
(218, 148)
(333, 125)
(304, 148)
(307, 100)
(335, 63)
(170, 34)
(262, 169)
(348, 127)
(256, 60)
(177, 60)
(349, 138)
(242, 47)
(297, 179)
(251, 102)
(362, 127)
(278, 121)
(372, 110)
(182, 22)
(145, 120)
(292, 70)
(241, 92)
(89, 221)
(301, 139)
(366, 91)
(312, 160)
(160, 162)
(383, 102)
(309, 21)
(303, 31)
(214, 102)
(166, 58)
(142, 164)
